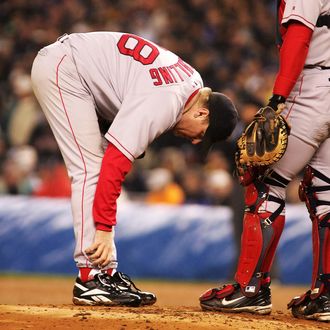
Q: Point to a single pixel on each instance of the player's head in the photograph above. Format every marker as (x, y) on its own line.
(210, 117)
(223, 118)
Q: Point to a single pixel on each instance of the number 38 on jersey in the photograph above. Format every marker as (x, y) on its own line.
(145, 52)
(140, 49)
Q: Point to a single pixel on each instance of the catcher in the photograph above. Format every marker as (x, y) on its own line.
(303, 86)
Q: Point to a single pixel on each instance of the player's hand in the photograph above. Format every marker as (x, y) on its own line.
(100, 252)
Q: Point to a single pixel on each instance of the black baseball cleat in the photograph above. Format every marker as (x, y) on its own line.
(230, 298)
(124, 283)
(304, 307)
(102, 291)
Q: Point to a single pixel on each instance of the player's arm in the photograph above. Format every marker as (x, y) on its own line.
(293, 54)
(115, 166)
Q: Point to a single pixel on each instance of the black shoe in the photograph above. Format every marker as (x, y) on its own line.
(124, 283)
(230, 298)
(304, 307)
(101, 291)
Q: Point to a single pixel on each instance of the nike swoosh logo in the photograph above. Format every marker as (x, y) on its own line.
(233, 301)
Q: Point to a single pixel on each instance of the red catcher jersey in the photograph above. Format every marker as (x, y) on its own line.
(138, 85)
(307, 12)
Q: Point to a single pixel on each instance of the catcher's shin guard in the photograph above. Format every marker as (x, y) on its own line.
(320, 230)
(261, 233)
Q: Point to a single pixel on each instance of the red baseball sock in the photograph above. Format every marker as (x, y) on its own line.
(109, 271)
(84, 273)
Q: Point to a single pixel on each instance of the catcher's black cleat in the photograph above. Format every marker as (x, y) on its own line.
(124, 283)
(303, 307)
(230, 298)
(102, 291)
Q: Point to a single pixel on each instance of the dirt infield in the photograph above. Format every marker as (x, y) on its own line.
(45, 303)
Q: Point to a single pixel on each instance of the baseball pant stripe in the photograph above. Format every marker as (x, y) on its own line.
(81, 155)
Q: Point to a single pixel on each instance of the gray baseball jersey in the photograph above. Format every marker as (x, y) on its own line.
(138, 86)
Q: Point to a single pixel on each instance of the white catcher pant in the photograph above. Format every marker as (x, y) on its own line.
(308, 112)
(70, 111)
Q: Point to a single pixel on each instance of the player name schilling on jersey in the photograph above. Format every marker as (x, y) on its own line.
(171, 74)
(145, 52)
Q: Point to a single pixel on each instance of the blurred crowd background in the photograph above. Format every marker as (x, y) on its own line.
(231, 43)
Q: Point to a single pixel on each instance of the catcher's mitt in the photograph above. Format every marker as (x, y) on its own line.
(264, 140)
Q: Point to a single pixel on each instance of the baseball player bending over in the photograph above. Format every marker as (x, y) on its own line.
(303, 84)
(143, 90)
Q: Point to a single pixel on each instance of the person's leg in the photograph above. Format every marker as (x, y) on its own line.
(315, 191)
(277, 179)
(320, 216)
(70, 111)
(262, 227)
(270, 212)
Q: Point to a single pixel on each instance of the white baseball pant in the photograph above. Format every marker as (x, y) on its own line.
(69, 108)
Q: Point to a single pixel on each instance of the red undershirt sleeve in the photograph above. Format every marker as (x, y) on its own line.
(293, 53)
(115, 166)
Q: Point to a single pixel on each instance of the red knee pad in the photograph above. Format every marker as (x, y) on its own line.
(259, 241)
(321, 255)
(308, 193)
(251, 247)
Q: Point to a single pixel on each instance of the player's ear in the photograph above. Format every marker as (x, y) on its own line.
(201, 112)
